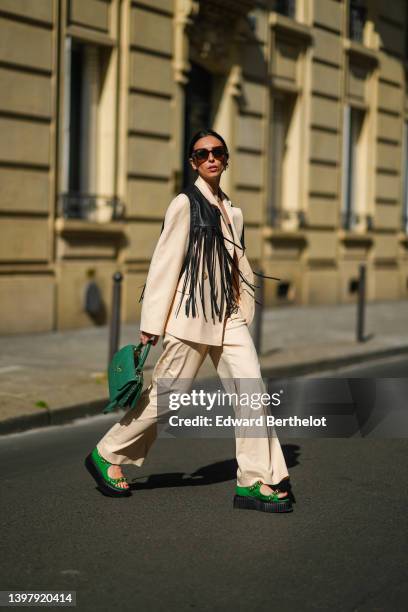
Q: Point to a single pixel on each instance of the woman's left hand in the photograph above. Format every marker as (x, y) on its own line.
(145, 337)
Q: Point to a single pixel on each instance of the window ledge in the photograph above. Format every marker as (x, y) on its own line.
(91, 36)
(360, 53)
(353, 236)
(357, 103)
(403, 238)
(291, 28)
(279, 83)
(90, 228)
(274, 233)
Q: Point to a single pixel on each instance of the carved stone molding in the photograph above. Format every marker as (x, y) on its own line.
(205, 30)
(235, 82)
(185, 13)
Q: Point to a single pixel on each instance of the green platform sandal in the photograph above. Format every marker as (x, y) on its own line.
(98, 467)
(251, 498)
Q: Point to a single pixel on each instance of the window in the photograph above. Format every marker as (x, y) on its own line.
(405, 178)
(198, 111)
(353, 170)
(279, 129)
(89, 132)
(286, 7)
(406, 43)
(284, 163)
(357, 19)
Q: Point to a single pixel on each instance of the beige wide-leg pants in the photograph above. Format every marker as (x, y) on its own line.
(259, 457)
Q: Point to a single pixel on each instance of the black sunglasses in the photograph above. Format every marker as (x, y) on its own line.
(203, 154)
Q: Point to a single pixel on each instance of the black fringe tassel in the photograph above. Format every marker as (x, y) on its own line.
(205, 249)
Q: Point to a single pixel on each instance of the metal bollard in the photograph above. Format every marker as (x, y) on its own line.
(361, 303)
(258, 313)
(114, 330)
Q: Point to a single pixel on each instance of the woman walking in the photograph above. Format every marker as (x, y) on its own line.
(199, 294)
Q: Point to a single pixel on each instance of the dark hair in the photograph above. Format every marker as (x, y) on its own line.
(202, 134)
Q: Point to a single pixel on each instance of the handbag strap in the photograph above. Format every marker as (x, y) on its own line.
(144, 351)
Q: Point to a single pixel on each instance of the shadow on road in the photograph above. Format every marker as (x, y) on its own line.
(221, 471)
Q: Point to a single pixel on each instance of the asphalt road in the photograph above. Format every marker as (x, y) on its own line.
(178, 544)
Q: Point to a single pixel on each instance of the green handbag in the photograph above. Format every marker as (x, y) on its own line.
(125, 375)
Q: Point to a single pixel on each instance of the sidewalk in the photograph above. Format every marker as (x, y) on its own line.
(53, 377)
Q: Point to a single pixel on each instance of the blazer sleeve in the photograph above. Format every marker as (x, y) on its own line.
(165, 266)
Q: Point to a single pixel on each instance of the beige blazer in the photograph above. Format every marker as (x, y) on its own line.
(163, 290)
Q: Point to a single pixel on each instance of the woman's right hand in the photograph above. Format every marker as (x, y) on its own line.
(145, 337)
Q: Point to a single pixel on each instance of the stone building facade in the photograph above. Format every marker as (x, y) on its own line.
(98, 99)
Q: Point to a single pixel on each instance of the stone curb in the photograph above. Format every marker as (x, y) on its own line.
(328, 363)
(60, 416)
